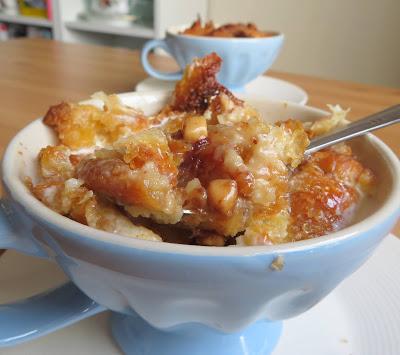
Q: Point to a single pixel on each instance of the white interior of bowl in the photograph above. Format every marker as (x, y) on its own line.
(20, 161)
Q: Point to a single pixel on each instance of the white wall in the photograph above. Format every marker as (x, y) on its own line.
(357, 40)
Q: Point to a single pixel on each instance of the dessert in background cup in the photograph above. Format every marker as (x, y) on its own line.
(244, 58)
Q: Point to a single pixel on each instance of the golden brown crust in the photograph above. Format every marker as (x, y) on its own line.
(324, 192)
(57, 115)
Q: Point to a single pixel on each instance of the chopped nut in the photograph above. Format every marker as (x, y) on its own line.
(195, 128)
(222, 195)
(196, 195)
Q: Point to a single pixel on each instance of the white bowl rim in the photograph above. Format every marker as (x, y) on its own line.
(174, 32)
(34, 207)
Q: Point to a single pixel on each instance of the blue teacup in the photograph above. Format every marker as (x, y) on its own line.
(244, 59)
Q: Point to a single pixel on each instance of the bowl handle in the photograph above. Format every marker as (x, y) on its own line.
(44, 313)
(150, 45)
(12, 231)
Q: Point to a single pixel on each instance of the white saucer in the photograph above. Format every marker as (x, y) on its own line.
(263, 87)
(361, 317)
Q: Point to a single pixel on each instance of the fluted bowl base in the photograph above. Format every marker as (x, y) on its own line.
(136, 337)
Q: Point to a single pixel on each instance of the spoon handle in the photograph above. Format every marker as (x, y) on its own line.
(378, 120)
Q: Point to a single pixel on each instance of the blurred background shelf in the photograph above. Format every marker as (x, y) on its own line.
(72, 21)
(25, 20)
(129, 30)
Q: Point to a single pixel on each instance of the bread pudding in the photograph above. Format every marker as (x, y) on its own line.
(237, 30)
(207, 169)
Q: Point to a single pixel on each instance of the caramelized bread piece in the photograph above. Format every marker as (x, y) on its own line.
(143, 191)
(325, 191)
(72, 199)
(83, 126)
(139, 174)
(199, 86)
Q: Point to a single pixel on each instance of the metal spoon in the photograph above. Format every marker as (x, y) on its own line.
(378, 120)
(375, 121)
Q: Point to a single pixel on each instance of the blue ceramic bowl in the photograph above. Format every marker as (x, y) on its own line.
(182, 299)
(244, 59)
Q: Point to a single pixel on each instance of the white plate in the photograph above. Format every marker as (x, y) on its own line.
(263, 87)
(361, 317)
